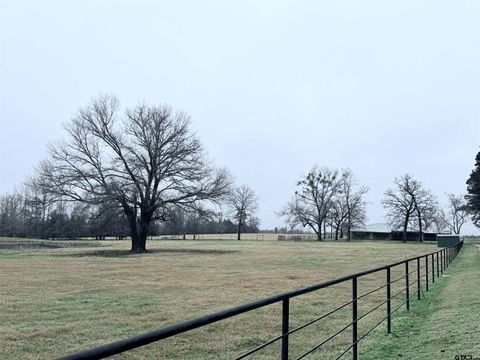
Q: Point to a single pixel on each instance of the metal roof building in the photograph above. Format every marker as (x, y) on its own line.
(383, 231)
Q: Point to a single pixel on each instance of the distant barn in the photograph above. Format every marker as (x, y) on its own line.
(382, 231)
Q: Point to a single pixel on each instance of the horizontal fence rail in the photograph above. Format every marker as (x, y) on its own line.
(434, 264)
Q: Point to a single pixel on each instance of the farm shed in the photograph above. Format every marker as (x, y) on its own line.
(387, 232)
(445, 240)
(373, 232)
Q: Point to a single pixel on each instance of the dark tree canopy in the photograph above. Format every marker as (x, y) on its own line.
(145, 160)
(473, 192)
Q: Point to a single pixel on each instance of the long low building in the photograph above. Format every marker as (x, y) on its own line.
(387, 232)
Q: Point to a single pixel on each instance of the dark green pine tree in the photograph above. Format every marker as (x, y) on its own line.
(473, 192)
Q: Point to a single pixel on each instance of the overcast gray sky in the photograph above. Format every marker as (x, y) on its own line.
(382, 87)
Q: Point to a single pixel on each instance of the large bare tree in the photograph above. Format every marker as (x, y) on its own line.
(457, 213)
(408, 203)
(425, 207)
(144, 159)
(399, 204)
(348, 207)
(337, 214)
(439, 221)
(353, 193)
(313, 198)
(243, 204)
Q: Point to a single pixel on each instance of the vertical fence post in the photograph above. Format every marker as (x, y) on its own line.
(445, 257)
(407, 286)
(442, 254)
(438, 267)
(285, 313)
(389, 304)
(433, 269)
(426, 272)
(441, 261)
(354, 319)
(419, 284)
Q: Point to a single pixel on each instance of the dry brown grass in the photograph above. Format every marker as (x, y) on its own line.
(53, 302)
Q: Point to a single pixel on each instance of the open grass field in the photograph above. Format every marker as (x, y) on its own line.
(56, 301)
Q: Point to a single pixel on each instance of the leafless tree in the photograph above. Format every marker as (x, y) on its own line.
(11, 207)
(243, 204)
(457, 213)
(425, 207)
(439, 221)
(355, 204)
(310, 204)
(337, 213)
(348, 207)
(399, 203)
(409, 204)
(145, 160)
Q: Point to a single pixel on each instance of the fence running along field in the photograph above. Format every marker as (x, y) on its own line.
(244, 236)
(426, 268)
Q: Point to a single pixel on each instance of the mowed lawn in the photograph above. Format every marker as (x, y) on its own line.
(57, 301)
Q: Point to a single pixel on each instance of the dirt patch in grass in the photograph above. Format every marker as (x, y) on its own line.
(125, 253)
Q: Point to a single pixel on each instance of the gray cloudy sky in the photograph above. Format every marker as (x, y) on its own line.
(382, 87)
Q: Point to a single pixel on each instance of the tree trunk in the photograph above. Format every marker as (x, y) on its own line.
(420, 235)
(139, 243)
(349, 228)
(319, 232)
(239, 230)
(337, 229)
(139, 231)
(405, 230)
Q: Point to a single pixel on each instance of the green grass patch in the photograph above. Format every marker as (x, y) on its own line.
(440, 326)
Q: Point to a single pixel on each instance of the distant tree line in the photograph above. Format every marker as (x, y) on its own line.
(29, 214)
(26, 214)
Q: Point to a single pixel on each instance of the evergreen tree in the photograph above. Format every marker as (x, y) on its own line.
(473, 192)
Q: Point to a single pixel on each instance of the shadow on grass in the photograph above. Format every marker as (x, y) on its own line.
(127, 253)
(47, 244)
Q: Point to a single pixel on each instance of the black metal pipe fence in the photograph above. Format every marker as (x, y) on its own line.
(440, 259)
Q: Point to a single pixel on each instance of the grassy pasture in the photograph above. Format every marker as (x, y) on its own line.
(56, 301)
(444, 325)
